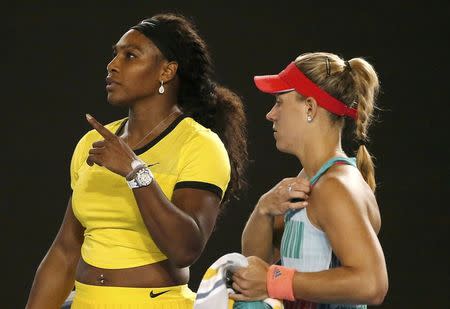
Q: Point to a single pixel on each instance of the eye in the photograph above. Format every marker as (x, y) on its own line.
(277, 100)
(130, 55)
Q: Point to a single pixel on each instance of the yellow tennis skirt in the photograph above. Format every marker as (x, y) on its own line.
(106, 297)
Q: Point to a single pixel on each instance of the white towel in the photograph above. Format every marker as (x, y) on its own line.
(213, 291)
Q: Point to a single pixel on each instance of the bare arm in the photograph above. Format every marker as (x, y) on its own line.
(55, 275)
(181, 227)
(262, 233)
(362, 278)
(258, 237)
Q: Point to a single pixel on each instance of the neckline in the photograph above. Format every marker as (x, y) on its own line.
(154, 141)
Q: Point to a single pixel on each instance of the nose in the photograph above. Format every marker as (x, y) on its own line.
(271, 115)
(112, 66)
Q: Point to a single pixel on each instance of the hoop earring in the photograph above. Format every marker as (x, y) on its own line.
(161, 88)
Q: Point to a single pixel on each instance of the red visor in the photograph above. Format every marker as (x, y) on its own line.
(291, 78)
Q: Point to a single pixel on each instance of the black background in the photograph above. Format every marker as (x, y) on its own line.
(54, 65)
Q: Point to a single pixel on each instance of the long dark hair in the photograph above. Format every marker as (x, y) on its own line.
(199, 96)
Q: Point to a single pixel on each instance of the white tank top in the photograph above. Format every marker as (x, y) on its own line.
(306, 248)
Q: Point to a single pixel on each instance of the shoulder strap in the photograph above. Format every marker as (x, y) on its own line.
(330, 163)
(315, 178)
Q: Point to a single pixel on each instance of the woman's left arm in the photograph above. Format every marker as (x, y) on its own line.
(179, 227)
(362, 278)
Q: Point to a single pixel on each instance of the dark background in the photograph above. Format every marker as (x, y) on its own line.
(54, 65)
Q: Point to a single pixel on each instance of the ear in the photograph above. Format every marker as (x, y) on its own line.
(311, 107)
(169, 71)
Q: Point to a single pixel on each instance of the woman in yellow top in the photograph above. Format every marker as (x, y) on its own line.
(147, 189)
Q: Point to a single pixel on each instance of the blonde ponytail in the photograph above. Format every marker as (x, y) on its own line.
(353, 82)
(365, 165)
(366, 89)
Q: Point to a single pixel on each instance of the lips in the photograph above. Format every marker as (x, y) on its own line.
(111, 83)
(110, 80)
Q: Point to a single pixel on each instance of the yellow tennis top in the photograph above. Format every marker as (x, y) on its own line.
(185, 155)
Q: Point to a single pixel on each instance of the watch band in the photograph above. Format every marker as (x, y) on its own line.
(133, 173)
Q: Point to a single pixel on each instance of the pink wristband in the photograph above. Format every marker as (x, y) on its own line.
(280, 281)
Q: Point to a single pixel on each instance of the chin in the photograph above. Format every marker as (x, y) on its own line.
(117, 102)
(284, 148)
(281, 147)
(287, 151)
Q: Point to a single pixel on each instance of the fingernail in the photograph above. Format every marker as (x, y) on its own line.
(89, 117)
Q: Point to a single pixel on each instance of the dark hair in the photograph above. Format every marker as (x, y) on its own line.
(210, 104)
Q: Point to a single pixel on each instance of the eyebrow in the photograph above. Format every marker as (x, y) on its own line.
(130, 46)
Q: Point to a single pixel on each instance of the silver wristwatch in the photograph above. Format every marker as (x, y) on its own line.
(142, 178)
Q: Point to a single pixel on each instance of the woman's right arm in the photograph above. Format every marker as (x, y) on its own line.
(258, 234)
(262, 233)
(55, 275)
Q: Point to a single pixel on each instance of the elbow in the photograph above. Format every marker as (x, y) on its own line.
(186, 252)
(187, 257)
(378, 296)
(184, 261)
(377, 292)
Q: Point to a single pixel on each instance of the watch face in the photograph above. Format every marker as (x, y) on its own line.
(144, 178)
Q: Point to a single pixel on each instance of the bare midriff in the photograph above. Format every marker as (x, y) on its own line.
(160, 274)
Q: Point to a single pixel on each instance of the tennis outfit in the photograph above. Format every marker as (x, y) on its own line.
(306, 248)
(185, 155)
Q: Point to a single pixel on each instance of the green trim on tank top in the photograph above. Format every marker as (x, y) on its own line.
(316, 177)
(293, 234)
(330, 163)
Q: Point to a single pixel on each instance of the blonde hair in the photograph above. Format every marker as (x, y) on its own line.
(355, 83)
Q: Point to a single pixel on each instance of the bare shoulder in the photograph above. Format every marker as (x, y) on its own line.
(343, 192)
